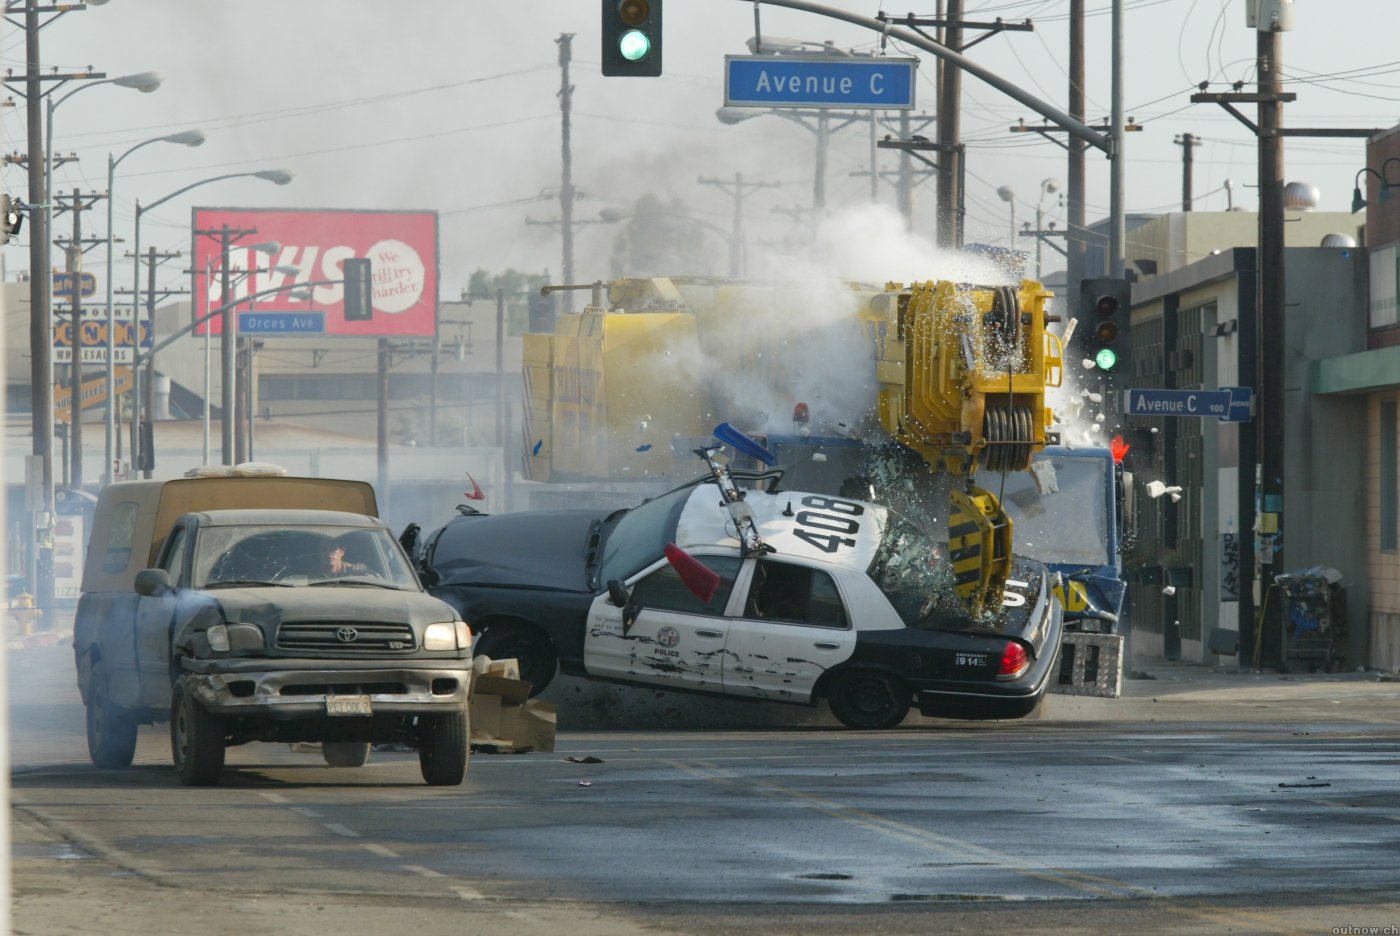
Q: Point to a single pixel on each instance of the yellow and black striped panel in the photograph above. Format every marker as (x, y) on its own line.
(979, 544)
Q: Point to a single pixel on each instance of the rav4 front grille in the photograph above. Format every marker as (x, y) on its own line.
(337, 635)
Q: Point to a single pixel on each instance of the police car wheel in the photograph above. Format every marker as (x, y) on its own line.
(867, 700)
(524, 644)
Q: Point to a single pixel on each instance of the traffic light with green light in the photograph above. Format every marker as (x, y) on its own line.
(1104, 304)
(631, 38)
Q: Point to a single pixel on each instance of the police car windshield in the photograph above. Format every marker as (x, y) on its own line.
(1059, 510)
(640, 535)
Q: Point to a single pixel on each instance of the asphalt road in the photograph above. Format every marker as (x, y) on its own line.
(1200, 802)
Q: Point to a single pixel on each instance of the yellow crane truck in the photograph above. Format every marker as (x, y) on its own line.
(954, 373)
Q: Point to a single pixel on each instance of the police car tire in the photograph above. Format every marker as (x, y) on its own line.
(527, 646)
(868, 701)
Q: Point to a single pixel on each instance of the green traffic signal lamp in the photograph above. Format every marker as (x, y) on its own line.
(1105, 359)
(631, 37)
(633, 45)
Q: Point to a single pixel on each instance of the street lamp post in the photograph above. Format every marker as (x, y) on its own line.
(185, 138)
(275, 176)
(1046, 187)
(1008, 194)
(145, 82)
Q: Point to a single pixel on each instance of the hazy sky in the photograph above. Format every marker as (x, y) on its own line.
(452, 105)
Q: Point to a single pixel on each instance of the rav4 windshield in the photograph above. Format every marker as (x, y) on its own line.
(311, 555)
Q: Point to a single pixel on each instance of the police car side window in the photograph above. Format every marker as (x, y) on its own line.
(794, 594)
(663, 589)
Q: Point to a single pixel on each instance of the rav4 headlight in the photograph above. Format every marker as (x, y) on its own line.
(225, 637)
(447, 635)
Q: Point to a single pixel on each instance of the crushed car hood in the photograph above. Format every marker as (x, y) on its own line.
(535, 549)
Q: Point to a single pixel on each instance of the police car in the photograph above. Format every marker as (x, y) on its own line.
(776, 595)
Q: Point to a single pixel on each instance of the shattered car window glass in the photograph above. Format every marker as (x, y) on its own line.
(119, 534)
(298, 556)
(910, 567)
(641, 534)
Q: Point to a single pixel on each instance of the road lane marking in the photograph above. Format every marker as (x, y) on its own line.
(339, 829)
(1076, 880)
(420, 870)
(466, 893)
(306, 811)
(382, 851)
(273, 797)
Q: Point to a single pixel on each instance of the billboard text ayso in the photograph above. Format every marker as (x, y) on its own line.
(401, 245)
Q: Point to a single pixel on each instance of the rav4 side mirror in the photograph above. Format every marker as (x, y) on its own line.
(152, 583)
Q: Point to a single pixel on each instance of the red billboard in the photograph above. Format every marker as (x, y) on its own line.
(309, 246)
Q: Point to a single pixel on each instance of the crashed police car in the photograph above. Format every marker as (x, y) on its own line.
(762, 594)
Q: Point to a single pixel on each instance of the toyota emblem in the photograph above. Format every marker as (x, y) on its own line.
(347, 635)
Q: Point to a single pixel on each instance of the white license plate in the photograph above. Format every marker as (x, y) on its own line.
(351, 705)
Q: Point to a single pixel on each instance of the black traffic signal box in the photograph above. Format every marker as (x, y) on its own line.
(359, 290)
(631, 38)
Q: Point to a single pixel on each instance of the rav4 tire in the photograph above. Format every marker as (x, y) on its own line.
(867, 700)
(196, 738)
(444, 749)
(345, 753)
(524, 644)
(111, 735)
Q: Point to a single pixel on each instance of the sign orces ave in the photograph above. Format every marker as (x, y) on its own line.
(875, 82)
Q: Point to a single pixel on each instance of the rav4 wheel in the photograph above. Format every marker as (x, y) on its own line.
(444, 749)
(196, 738)
(524, 644)
(111, 735)
(345, 753)
(867, 700)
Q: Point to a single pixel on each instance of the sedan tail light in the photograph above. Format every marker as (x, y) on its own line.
(1013, 661)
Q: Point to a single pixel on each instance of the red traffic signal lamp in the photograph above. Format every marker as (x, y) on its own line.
(631, 38)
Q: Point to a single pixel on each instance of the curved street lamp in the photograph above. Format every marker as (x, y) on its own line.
(276, 177)
(184, 138)
(1008, 194)
(145, 82)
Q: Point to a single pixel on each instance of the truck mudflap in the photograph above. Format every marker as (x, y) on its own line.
(309, 690)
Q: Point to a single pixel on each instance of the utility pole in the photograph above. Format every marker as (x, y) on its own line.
(139, 453)
(566, 185)
(905, 186)
(735, 190)
(228, 391)
(73, 264)
(1074, 176)
(1187, 142)
(1271, 334)
(1117, 229)
(949, 130)
(1265, 437)
(40, 323)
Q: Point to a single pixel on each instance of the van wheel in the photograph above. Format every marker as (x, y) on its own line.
(111, 735)
(196, 738)
(524, 644)
(867, 700)
(444, 749)
(345, 753)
